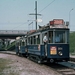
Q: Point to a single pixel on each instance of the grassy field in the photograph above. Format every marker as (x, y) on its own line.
(4, 68)
(3, 64)
(72, 42)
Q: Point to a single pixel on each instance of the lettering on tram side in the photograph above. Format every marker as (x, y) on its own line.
(60, 48)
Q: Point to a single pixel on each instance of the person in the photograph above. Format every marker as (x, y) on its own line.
(45, 40)
(57, 39)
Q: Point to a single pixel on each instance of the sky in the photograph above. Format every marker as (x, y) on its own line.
(14, 14)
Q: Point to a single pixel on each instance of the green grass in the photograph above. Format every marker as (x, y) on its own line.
(72, 42)
(3, 64)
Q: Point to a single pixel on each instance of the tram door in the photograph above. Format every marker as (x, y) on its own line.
(50, 37)
(50, 40)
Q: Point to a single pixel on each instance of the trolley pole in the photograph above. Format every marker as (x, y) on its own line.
(35, 14)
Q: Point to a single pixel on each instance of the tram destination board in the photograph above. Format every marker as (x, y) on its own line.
(57, 22)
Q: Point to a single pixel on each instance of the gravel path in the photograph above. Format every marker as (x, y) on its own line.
(24, 66)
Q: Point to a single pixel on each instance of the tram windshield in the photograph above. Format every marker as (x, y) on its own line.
(60, 37)
(23, 41)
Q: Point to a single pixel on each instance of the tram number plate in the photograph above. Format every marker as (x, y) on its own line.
(53, 50)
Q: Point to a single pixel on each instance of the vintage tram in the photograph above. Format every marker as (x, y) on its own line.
(56, 50)
(21, 46)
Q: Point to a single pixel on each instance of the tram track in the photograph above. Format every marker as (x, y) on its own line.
(72, 59)
(66, 71)
(68, 68)
(63, 68)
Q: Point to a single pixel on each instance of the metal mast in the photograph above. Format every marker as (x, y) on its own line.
(35, 14)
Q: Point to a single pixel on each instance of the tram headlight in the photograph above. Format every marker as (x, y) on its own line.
(60, 53)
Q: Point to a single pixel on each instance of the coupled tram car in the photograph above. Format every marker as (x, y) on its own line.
(20, 46)
(57, 47)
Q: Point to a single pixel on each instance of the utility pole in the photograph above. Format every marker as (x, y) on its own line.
(35, 14)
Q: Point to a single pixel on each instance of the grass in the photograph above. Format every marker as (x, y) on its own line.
(72, 43)
(3, 63)
(4, 67)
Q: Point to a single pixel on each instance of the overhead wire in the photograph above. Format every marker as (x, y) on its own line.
(19, 25)
(47, 6)
(39, 12)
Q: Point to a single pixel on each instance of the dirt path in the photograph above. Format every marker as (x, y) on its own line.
(23, 66)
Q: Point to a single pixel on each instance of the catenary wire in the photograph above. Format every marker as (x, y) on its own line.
(19, 25)
(47, 6)
(39, 12)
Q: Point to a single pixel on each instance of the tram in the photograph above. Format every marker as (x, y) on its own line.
(56, 51)
(21, 46)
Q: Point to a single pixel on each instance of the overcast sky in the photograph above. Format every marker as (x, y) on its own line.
(14, 14)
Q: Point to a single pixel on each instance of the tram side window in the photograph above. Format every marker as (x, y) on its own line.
(23, 42)
(42, 37)
(20, 43)
(38, 39)
(17, 43)
(28, 40)
(50, 37)
(31, 40)
(34, 39)
(60, 37)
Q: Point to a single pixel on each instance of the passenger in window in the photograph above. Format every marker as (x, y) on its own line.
(45, 40)
(57, 39)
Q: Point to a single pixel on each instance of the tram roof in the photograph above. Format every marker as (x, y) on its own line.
(45, 29)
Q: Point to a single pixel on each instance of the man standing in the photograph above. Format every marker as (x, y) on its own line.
(45, 40)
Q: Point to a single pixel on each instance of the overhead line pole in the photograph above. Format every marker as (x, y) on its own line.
(35, 14)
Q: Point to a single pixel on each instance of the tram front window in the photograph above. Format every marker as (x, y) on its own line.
(60, 37)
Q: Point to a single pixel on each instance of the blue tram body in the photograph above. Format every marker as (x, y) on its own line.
(33, 49)
(22, 50)
(17, 49)
(57, 49)
(21, 46)
(60, 52)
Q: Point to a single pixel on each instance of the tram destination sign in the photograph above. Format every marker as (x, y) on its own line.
(57, 22)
